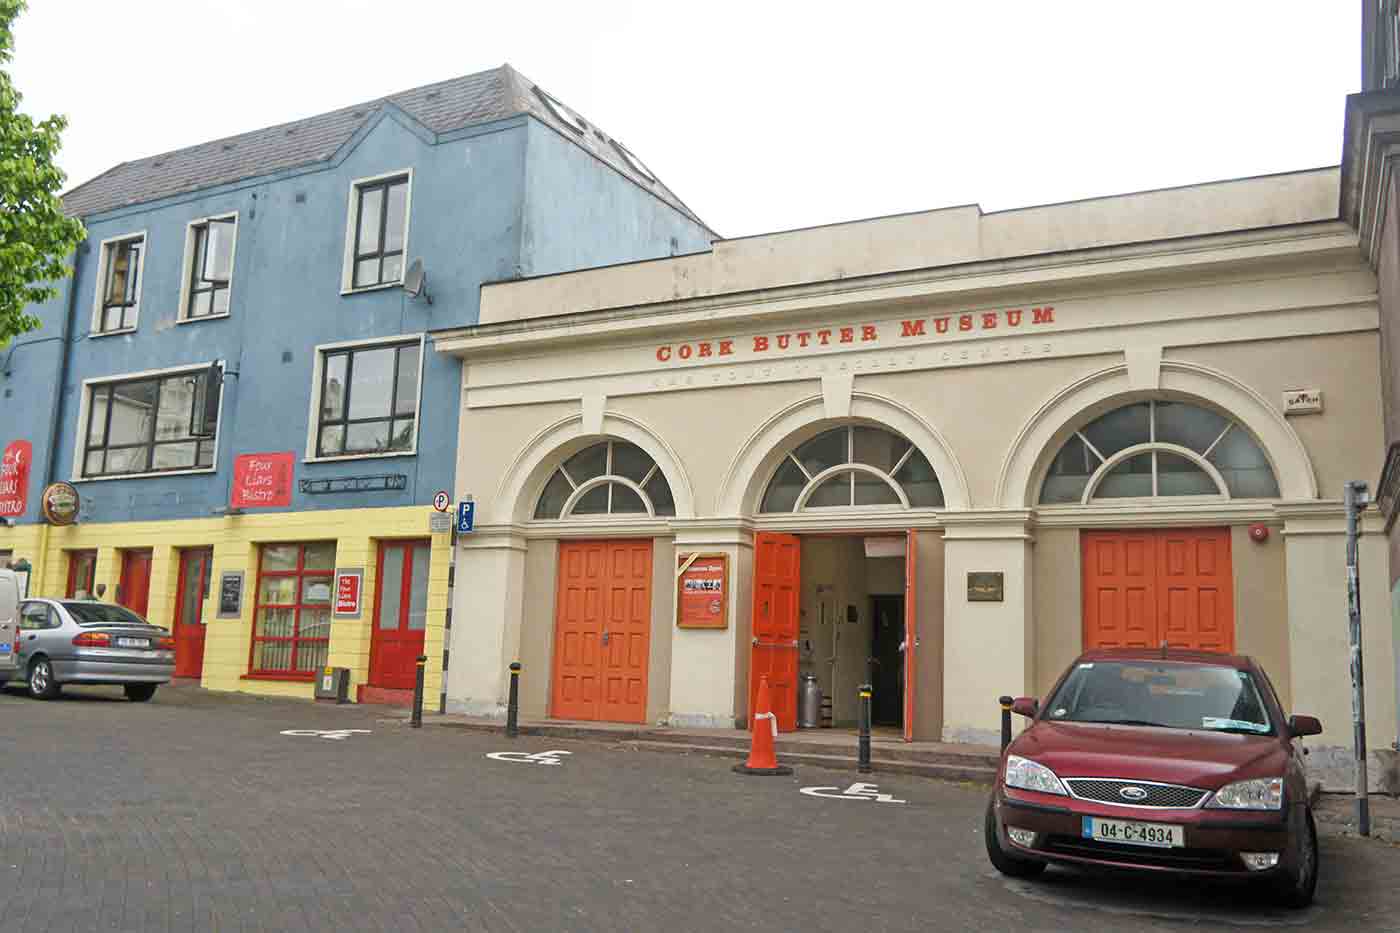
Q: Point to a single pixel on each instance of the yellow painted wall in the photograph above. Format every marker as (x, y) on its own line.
(235, 541)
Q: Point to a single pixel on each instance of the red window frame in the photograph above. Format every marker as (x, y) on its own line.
(300, 574)
(75, 559)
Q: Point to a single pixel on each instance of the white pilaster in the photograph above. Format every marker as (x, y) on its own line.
(486, 619)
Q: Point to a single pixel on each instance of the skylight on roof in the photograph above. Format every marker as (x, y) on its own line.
(632, 160)
(566, 114)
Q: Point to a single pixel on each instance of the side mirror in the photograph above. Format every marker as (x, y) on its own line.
(1300, 726)
(1025, 706)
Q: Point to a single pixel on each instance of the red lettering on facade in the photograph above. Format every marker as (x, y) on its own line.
(684, 352)
(784, 340)
(867, 332)
(941, 325)
(989, 320)
(1044, 315)
(824, 336)
(965, 322)
(911, 328)
(848, 334)
(803, 338)
(760, 344)
(705, 349)
(726, 347)
(1013, 318)
(663, 354)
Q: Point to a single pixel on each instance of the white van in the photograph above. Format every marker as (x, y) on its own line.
(9, 624)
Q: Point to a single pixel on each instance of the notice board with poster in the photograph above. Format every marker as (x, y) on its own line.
(702, 591)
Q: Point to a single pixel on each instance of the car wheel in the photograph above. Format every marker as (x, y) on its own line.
(140, 693)
(1294, 888)
(1008, 865)
(42, 685)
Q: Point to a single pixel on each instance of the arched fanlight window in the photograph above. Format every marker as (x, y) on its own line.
(850, 466)
(1159, 449)
(608, 478)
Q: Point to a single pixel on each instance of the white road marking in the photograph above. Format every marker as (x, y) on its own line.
(539, 758)
(337, 734)
(857, 791)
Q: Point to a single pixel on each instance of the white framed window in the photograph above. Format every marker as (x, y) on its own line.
(608, 478)
(206, 288)
(850, 466)
(376, 231)
(161, 421)
(117, 299)
(365, 399)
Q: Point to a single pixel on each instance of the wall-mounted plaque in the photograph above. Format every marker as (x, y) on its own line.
(986, 586)
(230, 594)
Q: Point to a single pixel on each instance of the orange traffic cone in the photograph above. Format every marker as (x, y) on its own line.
(763, 757)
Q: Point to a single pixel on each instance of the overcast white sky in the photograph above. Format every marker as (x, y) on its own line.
(762, 114)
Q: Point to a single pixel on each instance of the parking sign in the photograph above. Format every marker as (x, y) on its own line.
(466, 517)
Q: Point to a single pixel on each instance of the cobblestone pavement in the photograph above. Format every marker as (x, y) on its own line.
(196, 812)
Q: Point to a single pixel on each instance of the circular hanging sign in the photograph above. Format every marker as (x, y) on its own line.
(442, 500)
(60, 503)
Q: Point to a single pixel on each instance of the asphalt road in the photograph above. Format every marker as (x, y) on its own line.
(196, 812)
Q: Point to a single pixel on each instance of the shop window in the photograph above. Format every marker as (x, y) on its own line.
(850, 466)
(119, 272)
(1159, 449)
(151, 425)
(209, 267)
(609, 478)
(368, 400)
(378, 232)
(292, 622)
(82, 568)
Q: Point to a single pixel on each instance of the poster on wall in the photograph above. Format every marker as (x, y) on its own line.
(14, 478)
(349, 582)
(262, 480)
(230, 594)
(702, 591)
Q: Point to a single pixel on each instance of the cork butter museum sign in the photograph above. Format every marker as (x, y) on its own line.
(760, 345)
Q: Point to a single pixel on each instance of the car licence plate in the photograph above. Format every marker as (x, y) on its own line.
(1135, 834)
(133, 643)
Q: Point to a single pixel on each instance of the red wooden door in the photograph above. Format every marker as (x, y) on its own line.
(776, 587)
(911, 629)
(136, 581)
(82, 567)
(602, 631)
(1144, 588)
(400, 613)
(189, 611)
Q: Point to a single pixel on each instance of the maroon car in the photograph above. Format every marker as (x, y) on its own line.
(1173, 761)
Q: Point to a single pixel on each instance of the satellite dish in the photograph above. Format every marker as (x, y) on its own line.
(415, 281)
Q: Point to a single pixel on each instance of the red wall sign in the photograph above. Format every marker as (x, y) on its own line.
(347, 592)
(702, 590)
(262, 480)
(14, 478)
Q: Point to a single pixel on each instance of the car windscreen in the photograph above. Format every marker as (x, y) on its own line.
(1169, 695)
(102, 614)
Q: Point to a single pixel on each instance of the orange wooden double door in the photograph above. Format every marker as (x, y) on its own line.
(1172, 585)
(602, 633)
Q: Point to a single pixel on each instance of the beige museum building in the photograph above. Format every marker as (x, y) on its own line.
(943, 451)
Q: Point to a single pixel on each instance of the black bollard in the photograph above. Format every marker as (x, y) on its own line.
(513, 706)
(1005, 720)
(417, 720)
(863, 765)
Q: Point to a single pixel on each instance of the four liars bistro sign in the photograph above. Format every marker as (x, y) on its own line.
(1016, 320)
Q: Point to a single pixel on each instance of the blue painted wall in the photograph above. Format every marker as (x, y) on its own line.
(489, 204)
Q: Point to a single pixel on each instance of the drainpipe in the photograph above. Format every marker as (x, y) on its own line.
(51, 469)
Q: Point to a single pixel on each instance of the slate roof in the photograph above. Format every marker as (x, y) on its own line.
(442, 107)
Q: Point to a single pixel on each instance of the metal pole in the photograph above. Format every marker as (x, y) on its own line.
(1356, 500)
(513, 706)
(863, 765)
(417, 720)
(1005, 720)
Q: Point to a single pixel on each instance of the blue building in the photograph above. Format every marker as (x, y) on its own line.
(248, 296)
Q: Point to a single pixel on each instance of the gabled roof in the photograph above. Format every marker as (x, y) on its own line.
(441, 108)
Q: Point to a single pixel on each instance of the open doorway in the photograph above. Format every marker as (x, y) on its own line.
(887, 660)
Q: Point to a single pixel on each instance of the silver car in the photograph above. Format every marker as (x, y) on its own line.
(68, 641)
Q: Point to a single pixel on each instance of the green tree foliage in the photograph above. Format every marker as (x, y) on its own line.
(35, 236)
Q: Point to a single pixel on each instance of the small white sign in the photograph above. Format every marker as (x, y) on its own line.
(1302, 401)
(525, 758)
(439, 523)
(442, 500)
(857, 791)
(336, 734)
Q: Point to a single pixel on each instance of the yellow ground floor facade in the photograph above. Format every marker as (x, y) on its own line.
(237, 544)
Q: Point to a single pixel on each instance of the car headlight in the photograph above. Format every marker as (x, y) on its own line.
(1259, 794)
(1031, 775)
